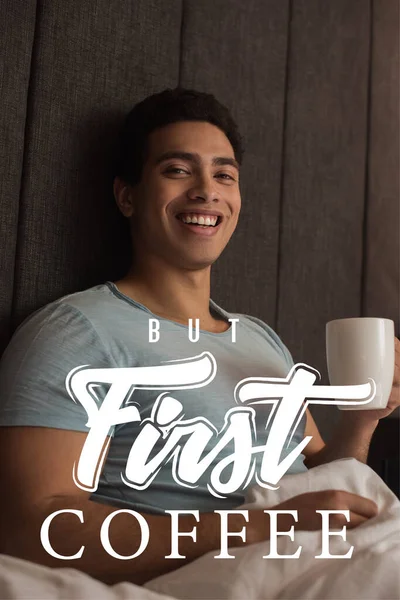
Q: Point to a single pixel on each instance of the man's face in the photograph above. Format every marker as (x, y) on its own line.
(190, 168)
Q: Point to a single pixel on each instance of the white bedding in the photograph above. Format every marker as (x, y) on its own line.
(371, 573)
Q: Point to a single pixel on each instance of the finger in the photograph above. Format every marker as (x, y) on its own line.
(355, 520)
(396, 376)
(339, 521)
(362, 506)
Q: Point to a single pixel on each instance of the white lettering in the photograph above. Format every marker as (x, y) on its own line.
(154, 330)
(175, 534)
(44, 534)
(144, 534)
(273, 533)
(225, 533)
(288, 396)
(326, 533)
(196, 339)
(233, 321)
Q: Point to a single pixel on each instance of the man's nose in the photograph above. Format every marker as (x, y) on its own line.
(204, 188)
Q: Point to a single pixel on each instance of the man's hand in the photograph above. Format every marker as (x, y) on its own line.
(369, 416)
(355, 428)
(361, 509)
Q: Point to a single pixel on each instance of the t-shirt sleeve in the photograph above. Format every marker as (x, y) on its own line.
(281, 348)
(285, 351)
(275, 340)
(34, 367)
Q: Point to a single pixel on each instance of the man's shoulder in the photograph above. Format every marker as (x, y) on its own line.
(82, 301)
(81, 304)
(44, 350)
(256, 326)
(76, 316)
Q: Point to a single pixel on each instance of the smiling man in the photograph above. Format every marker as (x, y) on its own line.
(177, 181)
(183, 212)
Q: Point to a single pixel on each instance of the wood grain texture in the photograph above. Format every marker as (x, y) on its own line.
(237, 51)
(324, 176)
(15, 62)
(92, 63)
(381, 293)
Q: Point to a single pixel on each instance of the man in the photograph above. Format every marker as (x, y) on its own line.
(180, 156)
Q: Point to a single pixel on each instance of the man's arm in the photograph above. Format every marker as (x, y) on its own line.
(354, 431)
(36, 473)
(316, 444)
(351, 438)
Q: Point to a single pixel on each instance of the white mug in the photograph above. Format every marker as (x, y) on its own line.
(358, 350)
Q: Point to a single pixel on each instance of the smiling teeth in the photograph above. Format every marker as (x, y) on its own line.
(199, 220)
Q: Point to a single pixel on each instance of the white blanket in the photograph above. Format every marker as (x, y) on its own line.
(371, 573)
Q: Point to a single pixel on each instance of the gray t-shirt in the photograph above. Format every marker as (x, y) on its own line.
(103, 328)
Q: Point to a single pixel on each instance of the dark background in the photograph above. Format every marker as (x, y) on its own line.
(314, 87)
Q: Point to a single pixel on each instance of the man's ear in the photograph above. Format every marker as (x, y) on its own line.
(123, 195)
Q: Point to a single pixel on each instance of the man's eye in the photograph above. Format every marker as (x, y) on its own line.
(226, 175)
(175, 170)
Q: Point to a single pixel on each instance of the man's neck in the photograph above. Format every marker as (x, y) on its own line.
(177, 295)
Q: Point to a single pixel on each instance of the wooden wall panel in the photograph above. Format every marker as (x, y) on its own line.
(15, 61)
(324, 176)
(382, 252)
(92, 64)
(381, 293)
(237, 51)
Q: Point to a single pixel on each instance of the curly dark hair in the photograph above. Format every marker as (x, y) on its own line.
(163, 108)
